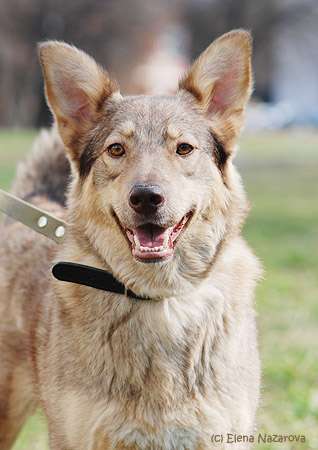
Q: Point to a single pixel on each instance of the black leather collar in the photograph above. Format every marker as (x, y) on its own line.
(92, 277)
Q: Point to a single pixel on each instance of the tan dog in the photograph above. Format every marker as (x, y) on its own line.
(152, 182)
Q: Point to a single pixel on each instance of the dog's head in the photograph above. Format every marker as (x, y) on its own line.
(153, 176)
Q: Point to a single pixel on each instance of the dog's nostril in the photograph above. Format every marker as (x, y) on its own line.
(146, 198)
(156, 199)
(135, 200)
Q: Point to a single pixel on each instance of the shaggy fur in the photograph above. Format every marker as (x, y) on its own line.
(111, 372)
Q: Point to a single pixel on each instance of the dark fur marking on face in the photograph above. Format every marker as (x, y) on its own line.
(87, 159)
(89, 156)
(93, 148)
(220, 155)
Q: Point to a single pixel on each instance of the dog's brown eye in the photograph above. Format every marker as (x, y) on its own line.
(116, 150)
(184, 149)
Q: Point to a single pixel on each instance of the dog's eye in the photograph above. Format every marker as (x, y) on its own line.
(184, 149)
(116, 150)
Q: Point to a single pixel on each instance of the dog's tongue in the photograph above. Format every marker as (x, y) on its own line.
(153, 243)
(150, 235)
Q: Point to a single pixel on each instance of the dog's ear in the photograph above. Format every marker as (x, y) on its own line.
(76, 88)
(220, 80)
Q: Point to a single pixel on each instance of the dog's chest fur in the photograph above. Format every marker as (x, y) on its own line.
(141, 373)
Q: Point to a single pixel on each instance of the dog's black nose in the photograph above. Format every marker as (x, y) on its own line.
(145, 198)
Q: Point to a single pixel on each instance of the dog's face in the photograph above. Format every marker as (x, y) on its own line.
(154, 177)
(154, 171)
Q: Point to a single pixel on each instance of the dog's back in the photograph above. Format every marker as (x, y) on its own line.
(25, 260)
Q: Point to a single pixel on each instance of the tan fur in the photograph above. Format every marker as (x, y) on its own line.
(111, 372)
(75, 87)
(211, 78)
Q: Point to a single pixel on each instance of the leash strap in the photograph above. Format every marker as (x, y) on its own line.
(33, 217)
(92, 277)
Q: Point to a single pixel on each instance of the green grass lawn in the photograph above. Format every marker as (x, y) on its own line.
(280, 171)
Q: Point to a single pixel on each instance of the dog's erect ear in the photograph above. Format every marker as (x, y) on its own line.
(76, 88)
(221, 81)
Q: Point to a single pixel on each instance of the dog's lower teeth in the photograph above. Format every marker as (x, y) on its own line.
(151, 249)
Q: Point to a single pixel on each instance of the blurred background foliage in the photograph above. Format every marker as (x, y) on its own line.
(157, 39)
(146, 45)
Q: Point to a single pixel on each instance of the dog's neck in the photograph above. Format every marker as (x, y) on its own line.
(145, 340)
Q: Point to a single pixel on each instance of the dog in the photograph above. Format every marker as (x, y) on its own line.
(148, 188)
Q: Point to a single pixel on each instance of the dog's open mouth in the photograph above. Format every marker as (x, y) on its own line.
(152, 243)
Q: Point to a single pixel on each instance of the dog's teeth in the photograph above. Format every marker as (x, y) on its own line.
(150, 249)
(170, 236)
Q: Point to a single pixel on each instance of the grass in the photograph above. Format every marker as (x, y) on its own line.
(283, 230)
(280, 171)
(13, 146)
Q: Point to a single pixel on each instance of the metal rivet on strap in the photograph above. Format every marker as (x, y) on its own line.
(60, 231)
(42, 222)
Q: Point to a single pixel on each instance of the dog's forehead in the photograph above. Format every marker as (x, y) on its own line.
(154, 116)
